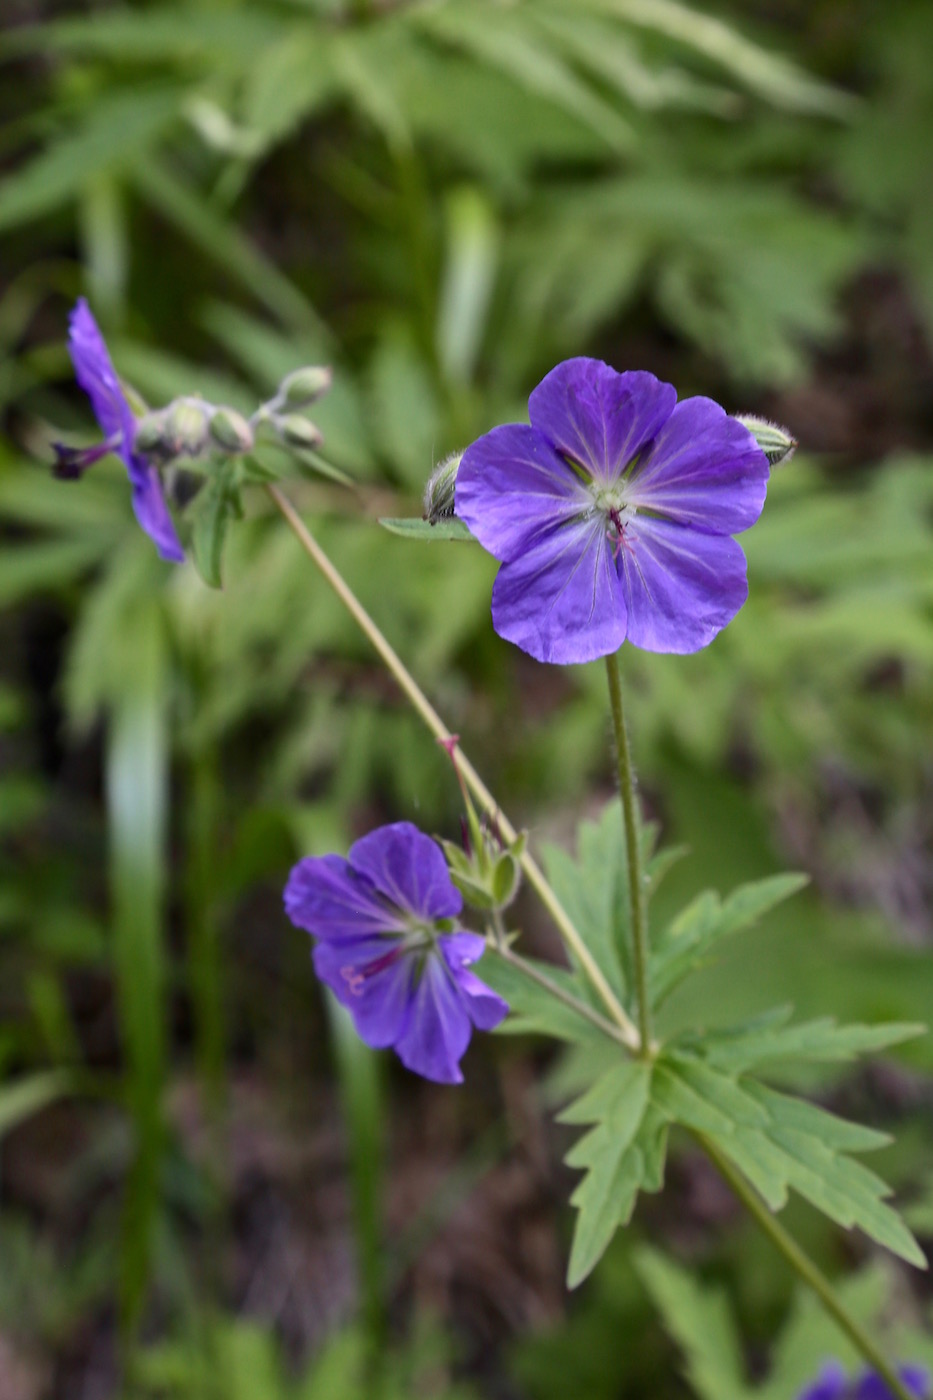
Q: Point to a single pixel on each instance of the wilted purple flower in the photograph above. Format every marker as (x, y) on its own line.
(612, 515)
(832, 1384)
(95, 373)
(390, 948)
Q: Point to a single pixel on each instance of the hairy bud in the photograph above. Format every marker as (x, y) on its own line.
(440, 489)
(185, 430)
(304, 386)
(776, 442)
(149, 436)
(298, 432)
(230, 431)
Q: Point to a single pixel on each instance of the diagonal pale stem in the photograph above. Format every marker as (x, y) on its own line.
(805, 1268)
(628, 1033)
(636, 874)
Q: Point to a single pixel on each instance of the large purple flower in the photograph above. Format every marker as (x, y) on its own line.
(612, 515)
(390, 948)
(95, 373)
(832, 1384)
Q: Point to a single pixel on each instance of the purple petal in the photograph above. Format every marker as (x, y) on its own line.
(562, 600)
(703, 469)
(830, 1385)
(511, 484)
(95, 373)
(872, 1387)
(484, 1007)
(328, 898)
(150, 508)
(437, 1029)
(378, 1001)
(599, 417)
(681, 586)
(409, 869)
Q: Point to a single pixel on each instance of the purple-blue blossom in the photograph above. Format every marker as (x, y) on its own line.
(95, 373)
(833, 1384)
(612, 515)
(390, 947)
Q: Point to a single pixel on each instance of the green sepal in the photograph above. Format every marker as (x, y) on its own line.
(414, 528)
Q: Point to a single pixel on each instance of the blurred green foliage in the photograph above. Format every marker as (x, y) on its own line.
(441, 201)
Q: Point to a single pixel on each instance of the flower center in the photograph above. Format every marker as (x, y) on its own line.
(419, 940)
(611, 501)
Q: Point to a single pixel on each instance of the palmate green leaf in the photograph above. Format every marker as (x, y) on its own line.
(117, 133)
(687, 943)
(504, 39)
(621, 1155)
(700, 1320)
(780, 1142)
(769, 1040)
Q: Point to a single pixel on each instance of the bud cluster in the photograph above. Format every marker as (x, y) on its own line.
(283, 413)
(189, 428)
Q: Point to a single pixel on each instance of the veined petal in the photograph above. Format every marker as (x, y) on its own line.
(409, 869)
(328, 898)
(378, 1001)
(437, 1028)
(599, 417)
(562, 600)
(484, 1007)
(703, 469)
(681, 586)
(96, 375)
(511, 485)
(150, 508)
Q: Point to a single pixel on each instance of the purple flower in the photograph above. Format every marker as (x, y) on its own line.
(612, 515)
(832, 1384)
(95, 373)
(390, 948)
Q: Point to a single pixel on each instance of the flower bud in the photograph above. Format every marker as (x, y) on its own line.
(440, 489)
(185, 430)
(776, 442)
(303, 386)
(298, 432)
(149, 435)
(230, 431)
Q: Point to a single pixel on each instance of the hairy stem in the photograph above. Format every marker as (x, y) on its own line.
(636, 875)
(628, 1033)
(500, 947)
(805, 1268)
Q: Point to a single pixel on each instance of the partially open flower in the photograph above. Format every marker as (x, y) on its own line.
(95, 373)
(390, 947)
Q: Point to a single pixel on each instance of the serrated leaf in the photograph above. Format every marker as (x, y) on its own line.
(780, 1142)
(700, 1320)
(414, 528)
(821, 1040)
(612, 1158)
(594, 890)
(688, 941)
(532, 1009)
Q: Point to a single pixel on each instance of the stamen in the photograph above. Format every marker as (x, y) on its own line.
(72, 462)
(357, 977)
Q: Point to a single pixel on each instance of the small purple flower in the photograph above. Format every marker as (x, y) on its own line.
(95, 373)
(612, 515)
(390, 948)
(831, 1384)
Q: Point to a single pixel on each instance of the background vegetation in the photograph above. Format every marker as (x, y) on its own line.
(207, 1187)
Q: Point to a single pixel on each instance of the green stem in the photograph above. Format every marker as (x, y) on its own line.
(534, 974)
(636, 875)
(628, 1034)
(805, 1268)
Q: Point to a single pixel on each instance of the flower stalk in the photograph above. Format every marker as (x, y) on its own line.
(636, 875)
(805, 1269)
(628, 1032)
